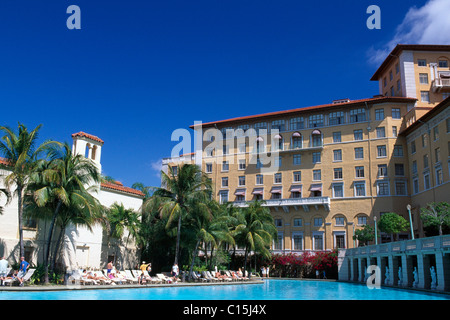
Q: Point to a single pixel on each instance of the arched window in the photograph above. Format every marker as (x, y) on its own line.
(278, 142)
(297, 142)
(316, 138)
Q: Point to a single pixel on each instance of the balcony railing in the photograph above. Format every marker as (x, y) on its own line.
(311, 201)
(441, 83)
(406, 246)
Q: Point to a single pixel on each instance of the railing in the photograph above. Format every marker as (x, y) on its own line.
(288, 202)
(440, 83)
(407, 246)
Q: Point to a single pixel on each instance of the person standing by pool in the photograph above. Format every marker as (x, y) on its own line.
(109, 267)
(22, 270)
(3, 269)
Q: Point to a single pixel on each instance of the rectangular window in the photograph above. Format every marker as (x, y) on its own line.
(382, 170)
(357, 134)
(360, 189)
(379, 114)
(318, 242)
(259, 179)
(297, 159)
(337, 173)
(277, 178)
(414, 167)
(337, 155)
(357, 115)
(298, 222)
(394, 131)
(439, 177)
(359, 153)
(381, 132)
(396, 113)
(336, 118)
(398, 150)
(336, 137)
(316, 157)
(316, 121)
(416, 185)
(425, 96)
(359, 172)
(223, 196)
(425, 161)
(317, 175)
(383, 188)
(296, 123)
(279, 125)
(208, 167)
(340, 221)
(241, 181)
(413, 147)
(422, 62)
(423, 78)
(224, 182)
(436, 133)
(225, 166)
(297, 176)
(297, 241)
(381, 151)
(362, 221)
(318, 222)
(443, 63)
(242, 164)
(426, 181)
(424, 140)
(399, 169)
(338, 190)
(437, 154)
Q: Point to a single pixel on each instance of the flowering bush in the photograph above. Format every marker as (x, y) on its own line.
(303, 265)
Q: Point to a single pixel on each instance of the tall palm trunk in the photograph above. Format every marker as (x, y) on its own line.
(49, 242)
(191, 269)
(177, 250)
(57, 246)
(20, 212)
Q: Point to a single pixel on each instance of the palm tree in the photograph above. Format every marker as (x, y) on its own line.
(60, 184)
(209, 227)
(146, 190)
(255, 229)
(120, 220)
(8, 198)
(21, 151)
(177, 194)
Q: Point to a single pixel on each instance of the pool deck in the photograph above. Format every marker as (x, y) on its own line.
(125, 286)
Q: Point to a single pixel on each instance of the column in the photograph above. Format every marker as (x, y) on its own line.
(442, 271)
(407, 271)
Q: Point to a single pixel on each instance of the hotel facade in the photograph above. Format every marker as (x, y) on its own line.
(325, 171)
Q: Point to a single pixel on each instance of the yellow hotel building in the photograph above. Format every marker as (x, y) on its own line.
(325, 171)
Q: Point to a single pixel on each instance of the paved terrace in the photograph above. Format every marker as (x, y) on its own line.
(406, 264)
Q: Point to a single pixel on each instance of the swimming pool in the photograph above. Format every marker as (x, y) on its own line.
(269, 290)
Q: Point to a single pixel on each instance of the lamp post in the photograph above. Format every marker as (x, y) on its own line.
(410, 220)
(376, 237)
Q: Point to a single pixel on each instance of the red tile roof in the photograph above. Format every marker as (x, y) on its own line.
(381, 99)
(87, 135)
(120, 187)
(4, 161)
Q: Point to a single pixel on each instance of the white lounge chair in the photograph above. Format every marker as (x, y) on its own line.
(26, 278)
(127, 277)
(163, 278)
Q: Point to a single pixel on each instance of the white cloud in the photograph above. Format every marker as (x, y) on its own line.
(429, 24)
(157, 166)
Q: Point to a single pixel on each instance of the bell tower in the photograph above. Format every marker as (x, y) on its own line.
(89, 146)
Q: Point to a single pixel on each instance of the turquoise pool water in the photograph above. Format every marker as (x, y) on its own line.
(269, 290)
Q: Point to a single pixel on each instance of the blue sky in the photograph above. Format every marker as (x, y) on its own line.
(137, 70)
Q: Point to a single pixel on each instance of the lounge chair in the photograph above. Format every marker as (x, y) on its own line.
(115, 280)
(213, 277)
(131, 276)
(163, 278)
(228, 273)
(197, 278)
(26, 278)
(152, 279)
(76, 277)
(129, 279)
